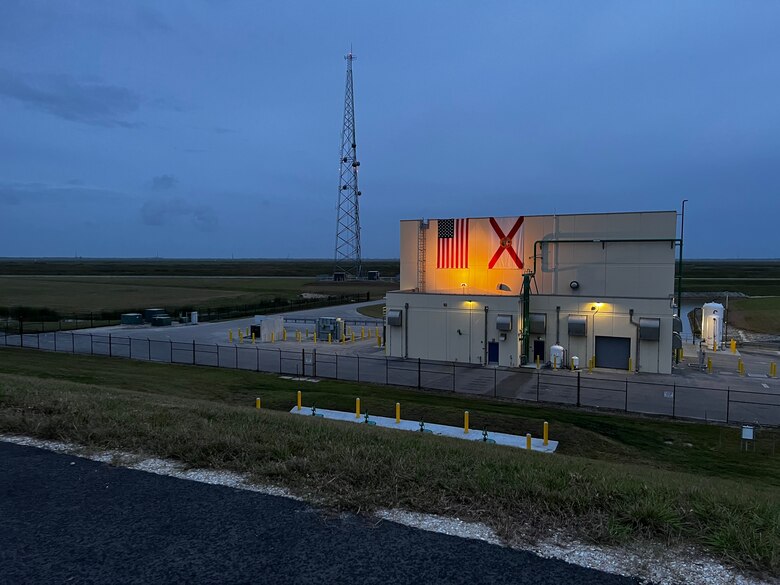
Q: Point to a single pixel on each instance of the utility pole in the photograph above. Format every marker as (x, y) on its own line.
(347, 258)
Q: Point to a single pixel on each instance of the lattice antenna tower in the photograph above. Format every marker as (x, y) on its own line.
(348, 259)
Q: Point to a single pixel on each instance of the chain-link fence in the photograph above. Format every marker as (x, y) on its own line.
(703, 401)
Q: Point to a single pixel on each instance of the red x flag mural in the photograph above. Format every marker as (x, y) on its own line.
(506, 242)
(453, 243)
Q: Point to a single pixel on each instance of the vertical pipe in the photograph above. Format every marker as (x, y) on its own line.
(257, 403)
(357, 407)
(528, 441)
(466, 422)
(546, 433)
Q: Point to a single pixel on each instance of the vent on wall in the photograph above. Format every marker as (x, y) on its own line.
(504, 322)
(394, 317)
(578, 326)
(537, 323)
(649, 329)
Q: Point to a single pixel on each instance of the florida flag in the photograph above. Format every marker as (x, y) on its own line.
(506, 242)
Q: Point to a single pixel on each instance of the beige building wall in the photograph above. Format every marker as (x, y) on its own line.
(618, 283)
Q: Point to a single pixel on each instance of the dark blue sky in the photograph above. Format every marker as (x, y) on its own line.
(210, 128)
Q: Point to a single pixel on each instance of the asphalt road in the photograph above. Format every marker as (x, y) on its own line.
(65, 519)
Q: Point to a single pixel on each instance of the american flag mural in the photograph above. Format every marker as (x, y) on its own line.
(453, 244)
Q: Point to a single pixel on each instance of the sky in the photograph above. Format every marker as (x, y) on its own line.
(206, 128)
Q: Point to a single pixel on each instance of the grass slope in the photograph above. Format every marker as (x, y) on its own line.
(615, 478)
(760, 314)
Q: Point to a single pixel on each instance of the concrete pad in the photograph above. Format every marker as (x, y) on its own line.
(505, 439)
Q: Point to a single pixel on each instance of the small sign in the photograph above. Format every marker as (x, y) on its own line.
(747, 433)
(668, 394)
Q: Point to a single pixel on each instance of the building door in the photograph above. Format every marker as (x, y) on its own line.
(613, 352)
(539, 350)
(492, 352)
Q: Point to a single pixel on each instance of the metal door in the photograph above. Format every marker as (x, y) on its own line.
(492, 352)
(613, 352)
(539, 350)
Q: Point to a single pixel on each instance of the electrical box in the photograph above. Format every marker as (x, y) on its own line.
(332, 326)
(578, 326)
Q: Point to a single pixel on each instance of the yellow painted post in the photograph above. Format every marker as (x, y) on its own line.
(740, 366)
(247, 331)
(284, 334)
(709, 365)
(357, 407)
(466, 422)
(314, 335)
(571, 364)
(230, 336)
(330, 338)
(378, 341)
(714, 345)
(257, 403)
(253, 338)
(773, 369)
(353, 337)
(528, 441)
(362, 333)
(273, 337)
(590, 365)
(733, 346)
(397, 413)
(630, 363)
(307, 333)
(555, 362)
(240, 336)
(377, 331)
(299, 400)
(537, 361)
(546, 433)
(682, 353)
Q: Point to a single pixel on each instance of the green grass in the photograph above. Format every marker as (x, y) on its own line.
(751, 277)
(373, 311)
(760, 314)
(614, 478)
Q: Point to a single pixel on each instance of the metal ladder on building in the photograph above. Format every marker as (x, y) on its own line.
(422, 230)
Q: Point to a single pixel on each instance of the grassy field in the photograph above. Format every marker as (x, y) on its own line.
(751, 277)
(615, 478)
(73, 294)
(374, 311)
(194, 267)
(761, 314)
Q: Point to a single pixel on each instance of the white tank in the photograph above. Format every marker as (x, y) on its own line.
(712, 323)
(557, 356)
(194, 317)
(575, 362)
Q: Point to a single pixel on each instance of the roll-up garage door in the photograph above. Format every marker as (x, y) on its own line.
(613, 352)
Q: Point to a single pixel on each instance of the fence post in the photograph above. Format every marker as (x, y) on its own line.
(280, 360)
(419, 374)
(38, 341)
(578, 388)
(91, 346)
(626, 409)
(170, 350)
(358, 368)
(337, 366)
(303, 361)
(110, 348)
(257, 358)
(235, 357)
(495, 383)
(193, 352)
(453, 376)
(55, 342)
(538, 376)
(674, 400)
(728, 402)
(387, 368)
(130, 348)
(90, 321)
(72, 342)
(314, 362)
(217, 346)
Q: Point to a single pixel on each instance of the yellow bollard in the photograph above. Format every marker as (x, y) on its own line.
(714, 345)
(253, 338)
(773, 369)
(377, 331)
(353, 337)
(314, 335)
(397, 413)
(546, 433)
(733, 346)
(537, 361)
(740, 367)
(709, 365)
(571, 364)
(230, 336)
(247, 331)
(630, 363)
(362, 333)
(307, 333)
(466, 422)
(555, 362)
(330, 338)
(273, 337)
(284, 334)
(528, 441)
(682, 353)
(378, 341)
(357, 407)
(240, 336)
(299, 400)
(257, 403)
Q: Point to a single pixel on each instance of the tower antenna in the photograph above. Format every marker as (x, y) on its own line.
(348, 262)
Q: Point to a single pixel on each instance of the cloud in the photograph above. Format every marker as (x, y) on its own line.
(87, 102)
(164, 182)
(20, 193)
(166, 211)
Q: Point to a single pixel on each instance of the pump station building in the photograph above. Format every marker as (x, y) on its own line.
(508, 290)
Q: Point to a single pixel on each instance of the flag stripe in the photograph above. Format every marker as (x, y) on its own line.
(453, 243)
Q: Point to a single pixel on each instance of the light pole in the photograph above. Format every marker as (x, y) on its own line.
(680, 261)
